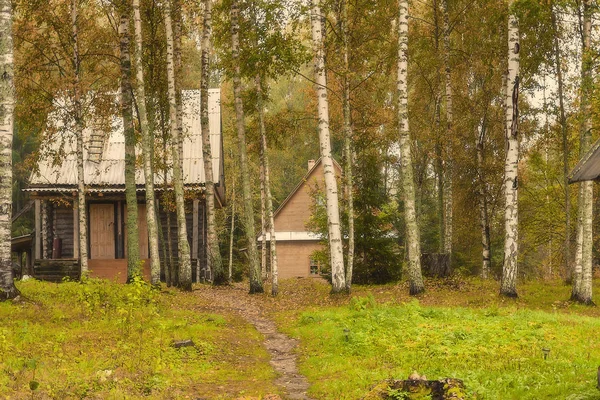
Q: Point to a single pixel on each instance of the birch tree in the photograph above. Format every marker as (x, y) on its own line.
(266, 181)
(447, 187)
(133, 246)
(483, 203)
(147, 143)
(565, 137)
(183, 246)
(215, 262)
(336, 255)
(7, 287)
(582, 272)
(256, 285)
(348, 147)
(408, 184)
(511, 211)
(78, 119)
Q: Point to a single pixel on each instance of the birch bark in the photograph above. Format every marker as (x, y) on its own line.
(448, 201)
(483, 209)
(264, 160)
(147, 143)
(82, 215)
(338, 280)
(256, 285)
(582, 274)
(7, 101)
(183, 246)
(408, 184)
(214, 260)
(511, 211)
(133, 247)
(565, 142)
(348, 149)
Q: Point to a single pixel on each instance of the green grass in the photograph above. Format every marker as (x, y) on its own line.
(109, 341)
(497, 351)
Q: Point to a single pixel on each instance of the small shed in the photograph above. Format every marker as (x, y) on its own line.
(53, 187)
(295, 244)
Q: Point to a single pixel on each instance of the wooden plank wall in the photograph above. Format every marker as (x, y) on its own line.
(63, 228)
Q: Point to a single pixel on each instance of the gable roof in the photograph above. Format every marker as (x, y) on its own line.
(304, 179)
(588, 168)
(105, 171)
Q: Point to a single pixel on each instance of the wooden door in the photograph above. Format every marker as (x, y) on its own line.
(102, 231)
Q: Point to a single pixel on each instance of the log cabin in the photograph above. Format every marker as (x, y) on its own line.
(53, 188)
(296, 245)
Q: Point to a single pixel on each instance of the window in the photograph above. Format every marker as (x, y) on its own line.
(314, 267)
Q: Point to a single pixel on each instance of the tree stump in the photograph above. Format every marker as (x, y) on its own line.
(442, 389)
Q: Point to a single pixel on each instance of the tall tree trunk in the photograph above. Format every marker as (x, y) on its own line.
(256, 285)
(565, 143)
(483, 208)
(448, 201)
(215, 262)
(338, 281)
(133, 246)
(408, 183)
(582, 274)
(82, 215)
(7, 101)
(511, 212)
(348, 149)
(264, 160)
(263, 220)
(147, 144)
(183, 246)
(230, 272)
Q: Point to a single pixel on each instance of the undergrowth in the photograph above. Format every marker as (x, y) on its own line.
(98, 339)
(497, 351)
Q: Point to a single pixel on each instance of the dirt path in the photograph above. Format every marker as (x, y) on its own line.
(280, 346)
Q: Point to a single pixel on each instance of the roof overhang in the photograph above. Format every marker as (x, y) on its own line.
(588, 168)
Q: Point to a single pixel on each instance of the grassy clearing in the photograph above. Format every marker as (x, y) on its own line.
(107, 341)
(461, 329)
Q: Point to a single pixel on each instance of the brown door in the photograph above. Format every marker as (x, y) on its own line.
(102, 231)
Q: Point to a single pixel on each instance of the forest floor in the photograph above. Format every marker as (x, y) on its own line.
(101, 340)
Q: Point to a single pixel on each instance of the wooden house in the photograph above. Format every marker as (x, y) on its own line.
(295, 244)
(588, 168)
(53, 186)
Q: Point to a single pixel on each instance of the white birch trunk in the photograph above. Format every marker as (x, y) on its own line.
(448, 201)
(565, 141)
(511, 216)
(256, 285)
(214, 260)
(264, 160)
(348, 149)
(582, 274)
(133, 247)
(338, 280)
(147, 143)
(183, 246)
(7, 101)
(483, 211)
(408, 183)
(263, 219)
(82, 215)
(230, 271)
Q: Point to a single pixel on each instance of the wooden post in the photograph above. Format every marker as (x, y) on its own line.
(38, 229)
(120, 241)
(76, 254)
(195, 238)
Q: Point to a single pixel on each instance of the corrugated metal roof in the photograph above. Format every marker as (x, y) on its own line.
(108, 173)
(588, 168)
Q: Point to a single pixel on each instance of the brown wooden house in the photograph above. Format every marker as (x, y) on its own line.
(295, 244)
(53, 186)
